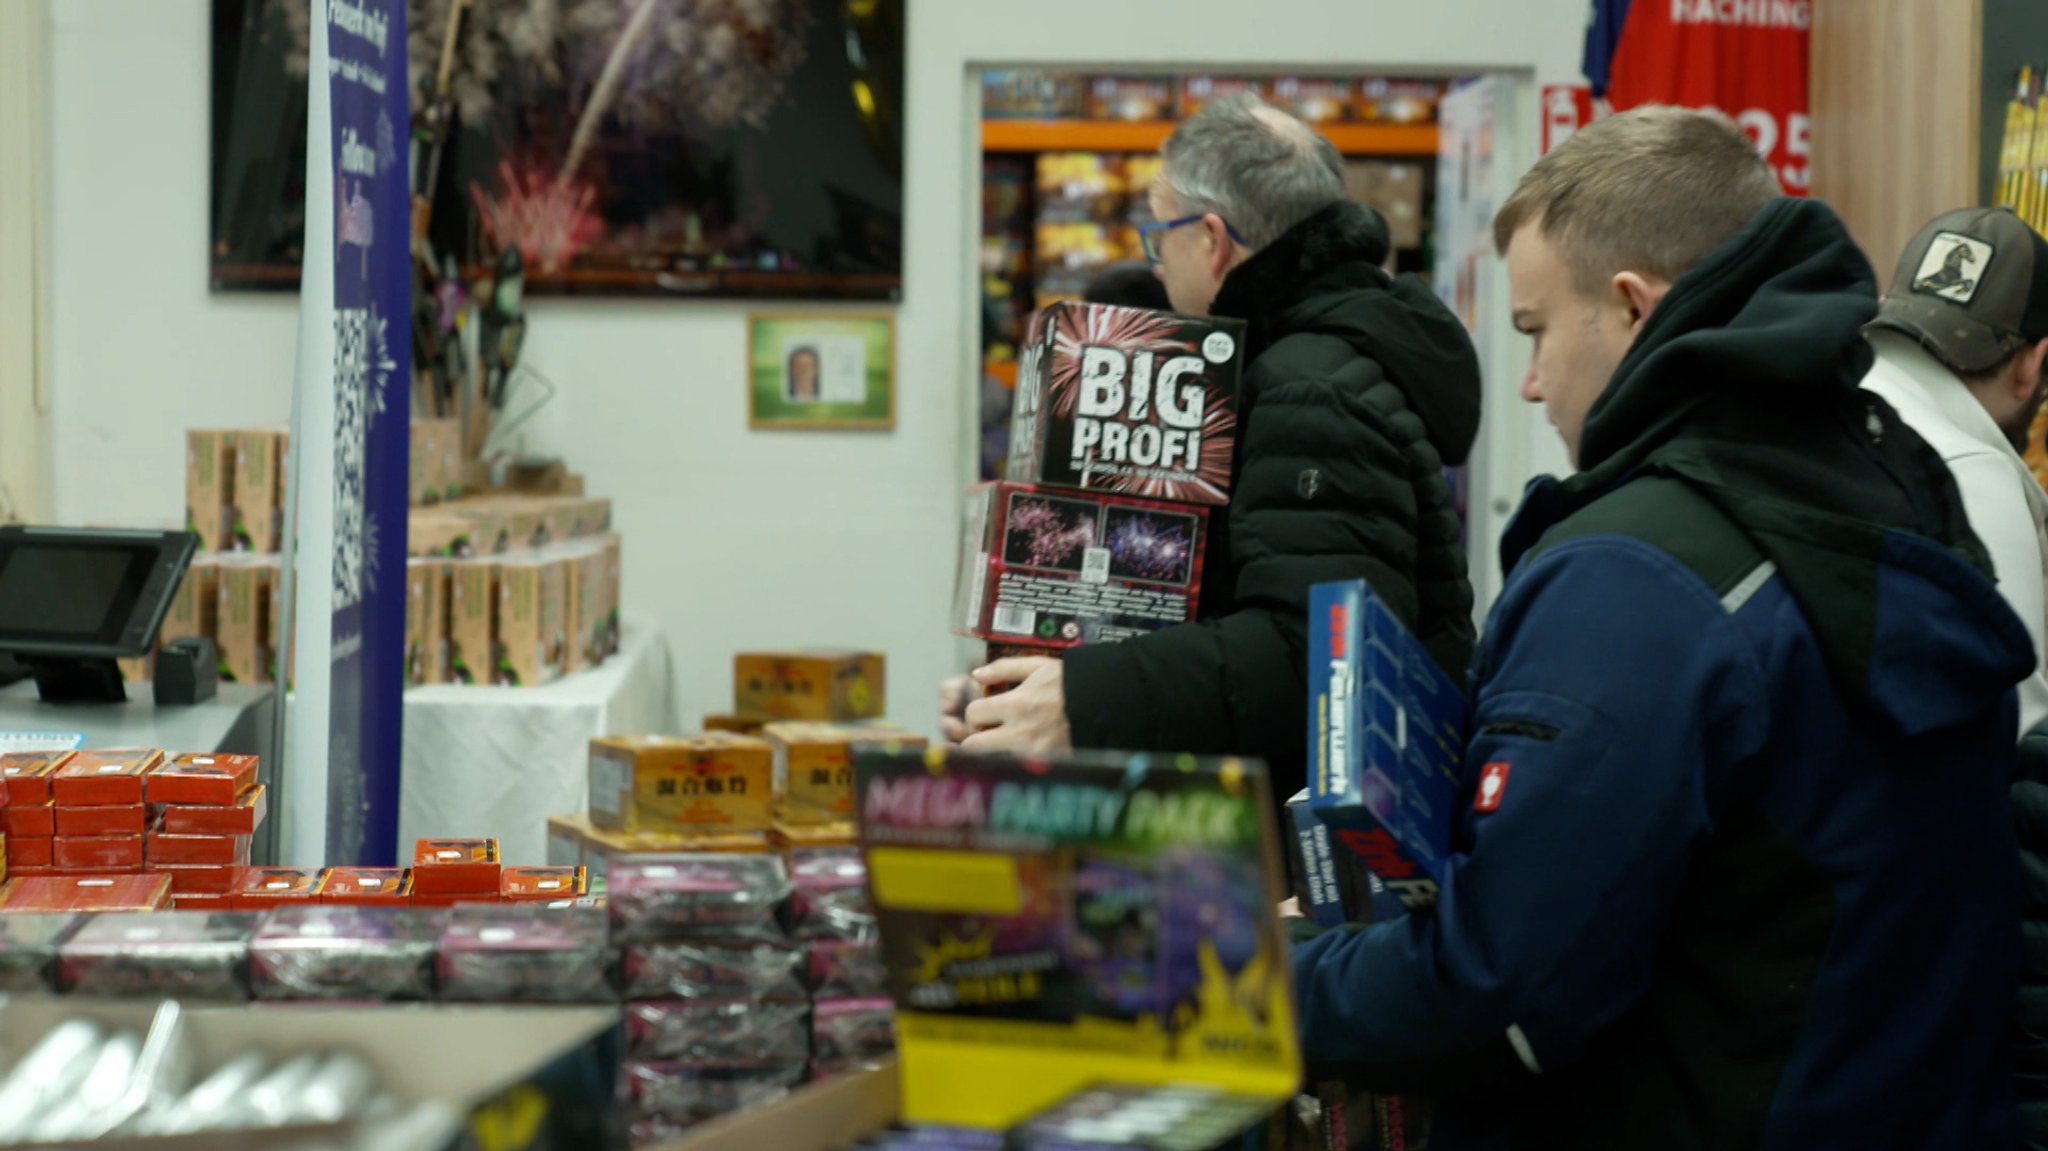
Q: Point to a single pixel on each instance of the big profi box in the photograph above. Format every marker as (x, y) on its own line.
(1057, 569)
(210, 488)
(1128, 401)
(259, 490)
(1387, 738)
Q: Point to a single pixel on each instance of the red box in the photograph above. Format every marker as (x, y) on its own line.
(241, 819)
(23, 853)
(211, 780)
(261, 888)
(86, 893)
(28, 775)
(200, 902)
(102, 778)
(204, 850)
(129, 819)
(366, 886)
(201, 879)
(97, 852)
(37, 822)
(1129, 402)
(450, 899)
(541, 884)
(455, 867)
(29, 872)
(1058, 569)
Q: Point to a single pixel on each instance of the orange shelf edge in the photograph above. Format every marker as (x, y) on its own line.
(1116, 136)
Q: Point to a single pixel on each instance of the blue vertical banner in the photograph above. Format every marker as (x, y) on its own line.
(351, 422)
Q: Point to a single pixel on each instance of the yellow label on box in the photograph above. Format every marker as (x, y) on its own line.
(953, 882)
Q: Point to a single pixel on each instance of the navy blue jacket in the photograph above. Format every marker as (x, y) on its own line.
(1750, 880)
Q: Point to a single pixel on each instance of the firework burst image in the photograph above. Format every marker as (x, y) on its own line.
(1128, 330)
(1148, 546)
(1048, 533)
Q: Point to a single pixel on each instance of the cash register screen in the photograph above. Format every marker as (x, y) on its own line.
(83, 593)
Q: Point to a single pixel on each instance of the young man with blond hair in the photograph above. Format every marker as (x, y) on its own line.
(1746, 878)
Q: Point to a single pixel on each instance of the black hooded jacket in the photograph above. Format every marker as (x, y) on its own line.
(1359, 389)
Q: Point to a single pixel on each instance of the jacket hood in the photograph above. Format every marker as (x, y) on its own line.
(1743, 384)
(1323, 276)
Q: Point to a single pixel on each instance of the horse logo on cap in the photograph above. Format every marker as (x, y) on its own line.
(1953, 267)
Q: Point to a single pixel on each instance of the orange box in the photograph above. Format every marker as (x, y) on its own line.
(716, 782)
(38, 822)
(814, 766)
(197, 850)
(734, 724)
(198, 902)
(366, 886)
(28, 773)
(261, 888)
(800, 835)
(527, 884)
(124, 819)
(86, 893)
(830, 685)
(451, 899)
(24, 853)
(455, 867)
(205, 879)
(103, 852)
(26, 873)
(241, 819)
(102, 778)
(212, 780)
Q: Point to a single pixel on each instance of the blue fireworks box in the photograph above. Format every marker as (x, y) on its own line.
(1387, 729)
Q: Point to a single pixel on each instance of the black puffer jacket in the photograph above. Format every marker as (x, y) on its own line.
(1359, 389)
(2030, 1054)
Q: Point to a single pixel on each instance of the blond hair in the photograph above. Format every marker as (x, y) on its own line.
(1651, 190)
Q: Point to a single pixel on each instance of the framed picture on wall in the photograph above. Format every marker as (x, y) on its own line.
(821, 371)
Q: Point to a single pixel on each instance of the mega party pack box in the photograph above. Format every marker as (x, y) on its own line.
(1386, 738)
(1129, 401)
(1050, 924)
(1056, 569)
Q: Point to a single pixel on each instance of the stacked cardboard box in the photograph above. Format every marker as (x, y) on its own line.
(234, 488)
(1122, 441)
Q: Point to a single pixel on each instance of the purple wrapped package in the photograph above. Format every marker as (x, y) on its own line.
(685, 1092)
(329, 951)
(853, 1028)
(705, 896)
(28, 949)
(848, 969)
(721, 1031)
(160, 955)
(689, 969)
(829, 894)
(526, 953)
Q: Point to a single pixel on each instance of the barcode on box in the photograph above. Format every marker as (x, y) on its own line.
(1015, 620)
(1095, 565)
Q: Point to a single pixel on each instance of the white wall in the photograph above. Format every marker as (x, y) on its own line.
(734, 539)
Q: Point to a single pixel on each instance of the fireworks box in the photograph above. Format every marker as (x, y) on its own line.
(472, 620)
(1197, 91)
(712, 782)
(589, 593)
(323, 952)
(426, 622)
(1059, 569)
(543, 884)
(828, 896)
(103, 778)
(239, 818)
(1332, 884)
(264, 888)
(443, 534)
(160, 955)
(207, 780)
(44, 894)
(1316, 99)
(259, 490)
(729, 897)
(1386, 732)
(604, 851)
(526, 953)
(26, 775)
(436, 461)
(522, 522)
(814, 767)
(195, 606)
(242, 613)
(1050, 924)
(757, 971)
(1128, 401)
(456, 867)
(1131, 98)
(828, 685)
(531, 628)
(713, 1030)
(28, 950)
(365, 886)
(210, 488)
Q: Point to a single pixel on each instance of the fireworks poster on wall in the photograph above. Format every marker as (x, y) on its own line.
(695, 148)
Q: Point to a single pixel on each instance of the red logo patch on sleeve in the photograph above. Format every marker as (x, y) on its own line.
(1493, 784)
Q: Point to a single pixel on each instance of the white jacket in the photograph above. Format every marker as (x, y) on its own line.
(2007, 508)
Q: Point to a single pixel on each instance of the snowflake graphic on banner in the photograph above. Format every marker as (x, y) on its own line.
(351, 415)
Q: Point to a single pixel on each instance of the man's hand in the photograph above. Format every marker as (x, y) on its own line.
(1031, 716)
(954, 696)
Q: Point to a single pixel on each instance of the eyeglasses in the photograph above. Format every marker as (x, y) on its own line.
(1149, 234)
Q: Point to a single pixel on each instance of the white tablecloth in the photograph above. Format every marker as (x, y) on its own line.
(497, 761)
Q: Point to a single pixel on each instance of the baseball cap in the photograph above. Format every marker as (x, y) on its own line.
(1972, 288)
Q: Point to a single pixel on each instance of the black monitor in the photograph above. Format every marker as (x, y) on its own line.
(73, 601)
